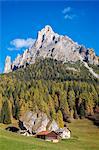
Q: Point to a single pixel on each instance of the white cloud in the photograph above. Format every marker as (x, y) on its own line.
(11, 48)
(66, 10)
(18, 44)
(70, 17)
(68, 13)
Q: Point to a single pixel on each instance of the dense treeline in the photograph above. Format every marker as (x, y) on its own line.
(50, 69)
(49, 87)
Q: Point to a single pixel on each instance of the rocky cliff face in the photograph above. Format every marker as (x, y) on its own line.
(92, 58)
(7, 68)
(89, 55)
(52, 45)
(38, 122)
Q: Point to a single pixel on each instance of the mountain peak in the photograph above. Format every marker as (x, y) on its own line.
(52, 45)
(48, 28)
(46, 34)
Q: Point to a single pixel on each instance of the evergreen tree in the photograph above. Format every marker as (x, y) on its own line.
(81, 111)
(16, 110)
(51, 107)
(60, 119)
(71, 102)
(75, 116)
(56, 102)
(71, 99)
(5, 113)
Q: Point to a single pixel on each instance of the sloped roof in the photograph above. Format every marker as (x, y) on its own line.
(47, 133)
(62, 129)
(44, 133)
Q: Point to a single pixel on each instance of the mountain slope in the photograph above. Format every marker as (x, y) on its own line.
(49, 69)
(90, 69)
(49, 86)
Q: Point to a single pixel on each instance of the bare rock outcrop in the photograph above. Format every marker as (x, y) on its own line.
(7, 68)
(52, 45)
(38, 122)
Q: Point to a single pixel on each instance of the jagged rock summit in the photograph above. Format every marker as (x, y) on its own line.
(52, 45)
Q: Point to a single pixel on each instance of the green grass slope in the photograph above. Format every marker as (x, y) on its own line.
(85, 136)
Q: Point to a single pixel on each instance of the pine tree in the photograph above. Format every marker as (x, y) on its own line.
(60, 119)
(71, 102)
(90, 104)
(51, 107)
(5, 113)
(56, 103)
(16, 110)
(81, 111)
(71, 99)
(75, 114)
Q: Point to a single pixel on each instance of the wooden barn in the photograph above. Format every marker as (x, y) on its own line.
(48, 136)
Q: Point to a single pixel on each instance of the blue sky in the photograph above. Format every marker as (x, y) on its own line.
(21, 20)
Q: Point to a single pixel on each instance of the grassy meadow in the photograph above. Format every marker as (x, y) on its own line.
(84, 136)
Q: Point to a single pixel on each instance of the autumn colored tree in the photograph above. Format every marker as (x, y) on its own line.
(71, 102)
(60, 119)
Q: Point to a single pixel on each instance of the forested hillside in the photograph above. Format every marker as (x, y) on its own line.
(62, 91)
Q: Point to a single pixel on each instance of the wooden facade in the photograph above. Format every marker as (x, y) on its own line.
(48, 135)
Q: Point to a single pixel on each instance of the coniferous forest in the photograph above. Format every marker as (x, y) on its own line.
(49, 86)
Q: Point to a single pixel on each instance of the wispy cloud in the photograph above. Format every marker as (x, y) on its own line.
(70, 16)
(68, 13)
(66, 10)
(18, 44)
